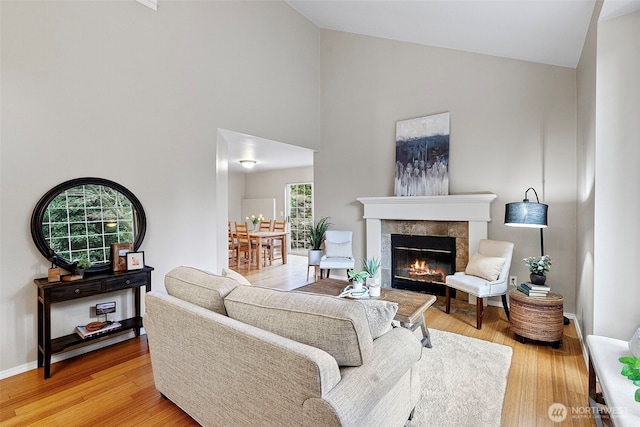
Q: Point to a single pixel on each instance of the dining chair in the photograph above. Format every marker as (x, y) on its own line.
(245, 246)
(233, 245)
(275, 245)
(265, 226)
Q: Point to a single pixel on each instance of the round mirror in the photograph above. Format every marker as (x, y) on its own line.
(80, 219)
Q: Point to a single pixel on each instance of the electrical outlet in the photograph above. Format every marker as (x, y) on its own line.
(513, 280)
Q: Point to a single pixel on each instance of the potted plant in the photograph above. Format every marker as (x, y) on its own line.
(538, 267)
(371, 266)
(357, 279)
(315, 239)
(255, 220)
(82, 265)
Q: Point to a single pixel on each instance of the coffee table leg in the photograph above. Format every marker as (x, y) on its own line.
(426, 340)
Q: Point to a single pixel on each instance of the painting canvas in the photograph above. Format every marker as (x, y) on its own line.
(422, 156)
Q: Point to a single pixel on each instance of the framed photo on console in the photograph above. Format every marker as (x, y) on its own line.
(135, 260)
(119, 255)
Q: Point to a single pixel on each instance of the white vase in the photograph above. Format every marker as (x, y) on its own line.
(373, 281)
(634, 344)
(356, 285)
(374, 291)
(315, 255)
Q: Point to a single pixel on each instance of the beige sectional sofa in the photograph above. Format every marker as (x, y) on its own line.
(237, 355)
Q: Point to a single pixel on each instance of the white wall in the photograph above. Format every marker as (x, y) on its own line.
(502, 113)
(617, 199)
(273, 184)
(236, 194)
(586, 175)
(115, 90)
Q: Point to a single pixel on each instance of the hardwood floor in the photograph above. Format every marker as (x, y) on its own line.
(114, 386)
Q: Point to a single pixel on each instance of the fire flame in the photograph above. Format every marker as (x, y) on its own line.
(420, 268)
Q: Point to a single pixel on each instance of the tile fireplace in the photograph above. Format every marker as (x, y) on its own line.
(421, 263)
(461, 219)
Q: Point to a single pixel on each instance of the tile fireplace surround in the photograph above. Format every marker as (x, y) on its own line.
(463, 216)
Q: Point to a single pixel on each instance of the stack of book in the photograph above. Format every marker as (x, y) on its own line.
(535, 291)
(84, 333)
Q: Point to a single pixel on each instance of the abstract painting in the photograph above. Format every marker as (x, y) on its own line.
(422, 156)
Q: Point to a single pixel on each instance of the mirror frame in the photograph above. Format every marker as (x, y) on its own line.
(43, 203)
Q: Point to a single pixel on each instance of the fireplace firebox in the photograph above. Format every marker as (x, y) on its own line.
(420, 263)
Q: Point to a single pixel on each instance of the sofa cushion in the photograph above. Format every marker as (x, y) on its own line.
(379, 315)
(486, 267)
(199, 287)
(337, 326)
(235, 276)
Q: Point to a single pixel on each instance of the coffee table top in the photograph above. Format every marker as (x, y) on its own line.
(411, 305)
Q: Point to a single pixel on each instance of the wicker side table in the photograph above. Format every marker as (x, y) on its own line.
(539, 319)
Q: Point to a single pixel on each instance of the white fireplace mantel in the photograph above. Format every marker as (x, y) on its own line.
(474, 208)
(457, 207)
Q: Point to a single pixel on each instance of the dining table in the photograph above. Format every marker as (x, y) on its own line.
(262, 237)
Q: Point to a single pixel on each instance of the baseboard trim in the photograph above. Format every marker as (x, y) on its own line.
(71, 353)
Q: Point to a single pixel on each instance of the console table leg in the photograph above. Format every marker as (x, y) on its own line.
(136, 292)
(46, 345)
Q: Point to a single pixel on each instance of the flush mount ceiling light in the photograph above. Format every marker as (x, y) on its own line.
(248, 164)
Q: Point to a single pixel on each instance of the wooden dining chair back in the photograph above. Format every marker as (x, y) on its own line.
(265, 226)
(275, 245)
(233, 245)
(244, 243)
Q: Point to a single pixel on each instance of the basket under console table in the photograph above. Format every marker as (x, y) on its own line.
(54, 292)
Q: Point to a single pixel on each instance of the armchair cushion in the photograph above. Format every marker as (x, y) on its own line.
(486, 267)
(475, 285)
(337, 250)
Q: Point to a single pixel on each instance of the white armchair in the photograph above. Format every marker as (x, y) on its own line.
(486, 275)
(338, 253)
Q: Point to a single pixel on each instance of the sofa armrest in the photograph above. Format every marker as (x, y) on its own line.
(386, 388)
(213, 366)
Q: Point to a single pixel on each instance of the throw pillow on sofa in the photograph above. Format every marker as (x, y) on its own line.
(379, 315)
(235, 276)
(335, 325)
(199, 287)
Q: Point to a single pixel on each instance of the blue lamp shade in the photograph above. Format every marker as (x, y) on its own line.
(526, 214)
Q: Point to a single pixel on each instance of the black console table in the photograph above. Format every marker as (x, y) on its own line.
(53, 292)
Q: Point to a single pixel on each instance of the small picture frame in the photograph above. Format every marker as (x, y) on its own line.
(119, 255)
(135, 260)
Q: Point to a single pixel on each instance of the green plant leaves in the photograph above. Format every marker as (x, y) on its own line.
(317, 231)
(631, 370)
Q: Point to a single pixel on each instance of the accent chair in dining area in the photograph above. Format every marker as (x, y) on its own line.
(338, 252)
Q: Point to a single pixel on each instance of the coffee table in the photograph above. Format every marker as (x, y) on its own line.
(411, 305)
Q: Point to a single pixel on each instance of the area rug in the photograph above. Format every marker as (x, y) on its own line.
(463, 382)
